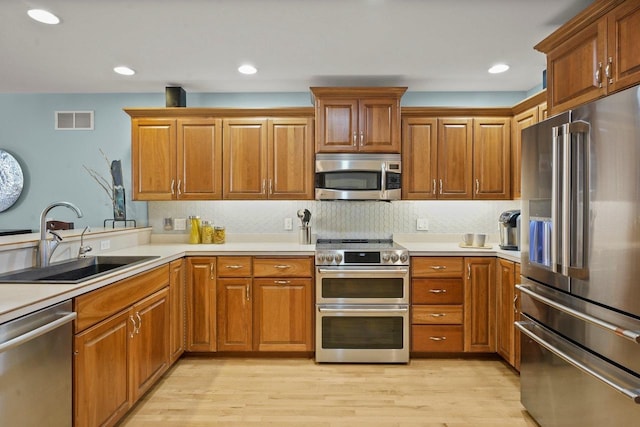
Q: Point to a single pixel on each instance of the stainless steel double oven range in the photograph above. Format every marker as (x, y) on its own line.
(362, 301)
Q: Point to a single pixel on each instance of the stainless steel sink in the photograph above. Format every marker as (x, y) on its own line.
(74, 271)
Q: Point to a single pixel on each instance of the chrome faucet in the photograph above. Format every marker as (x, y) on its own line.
(46, 247)
(84, 249)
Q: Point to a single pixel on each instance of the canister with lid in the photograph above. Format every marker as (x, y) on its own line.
(219, 234)
(194, 235)
(207, 232)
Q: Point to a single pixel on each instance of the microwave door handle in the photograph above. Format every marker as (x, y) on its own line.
(383, 187)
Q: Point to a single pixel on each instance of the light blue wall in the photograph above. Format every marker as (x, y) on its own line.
(52, 161)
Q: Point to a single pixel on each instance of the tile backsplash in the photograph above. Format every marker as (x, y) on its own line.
(338, 219)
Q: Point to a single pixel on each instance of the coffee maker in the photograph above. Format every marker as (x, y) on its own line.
(510, 230)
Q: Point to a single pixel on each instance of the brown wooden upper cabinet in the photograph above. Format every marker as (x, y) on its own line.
(594, 54)
(364, 119)
(456, 158)
(268, 158)
(176, 159)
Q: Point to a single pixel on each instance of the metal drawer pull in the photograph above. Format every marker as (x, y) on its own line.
(438, 314)
(139, 322)
(233, 267)
(439, 267)
(282, 282)
(438, 338)
(438, 291)
(624, 333)
(282, 266)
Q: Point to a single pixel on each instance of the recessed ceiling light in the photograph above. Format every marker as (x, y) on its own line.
(498, 68)
(43, 16)
(247, 69)
(124, 70)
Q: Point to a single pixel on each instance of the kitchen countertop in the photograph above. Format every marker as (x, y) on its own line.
(20, 299)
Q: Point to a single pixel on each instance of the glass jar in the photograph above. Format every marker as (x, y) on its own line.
(194, 235)
(219, 234)
(207, 232)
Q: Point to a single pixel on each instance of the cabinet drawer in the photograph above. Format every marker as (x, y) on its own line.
(96, 306)
(440, 338)
(436, 291)
(282, 267)
(436, 266)
(436, 314)
(234, 266)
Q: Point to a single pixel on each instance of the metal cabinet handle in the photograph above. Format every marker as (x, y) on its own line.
(173, 183)
(599, 74)
(469, 271)
(438, 291)
(438, 338)
(515, 304)
(361, 138)
(435, 191)
(270, 186)
(264, 185)
(607, 70)
(212, 271)
(355, 141)
(139, 322)
(247, 292)
(282, 282)
(282, 266)
(440, 186)
(439, 267)
(179, 183)
(233, 266)
(438, 314)
(134, 327)
(477, 186)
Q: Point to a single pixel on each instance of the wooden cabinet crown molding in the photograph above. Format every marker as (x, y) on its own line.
(176, 112)
(582, 20)
(455, 111)
(357, 92)
(532, 101)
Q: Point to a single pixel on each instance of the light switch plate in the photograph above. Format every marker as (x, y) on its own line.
(180, 224)
(288, 224)
(422, 224)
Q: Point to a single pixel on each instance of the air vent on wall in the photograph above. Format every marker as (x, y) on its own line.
(74, 120)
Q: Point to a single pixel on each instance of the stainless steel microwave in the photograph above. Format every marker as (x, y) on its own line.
(358, 177)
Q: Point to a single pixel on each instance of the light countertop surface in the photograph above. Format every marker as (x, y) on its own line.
(20, 299)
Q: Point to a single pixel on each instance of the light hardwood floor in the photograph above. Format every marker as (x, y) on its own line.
(298, 392)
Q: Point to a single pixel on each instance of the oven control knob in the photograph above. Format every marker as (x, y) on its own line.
(385, 257)
(328, 258)
(320, 258)
(338, 258)
(404, 257)
(394, 258)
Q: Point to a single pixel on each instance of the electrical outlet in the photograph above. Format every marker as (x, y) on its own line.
(105, 244)
(180, 224)
(422, 224)
(288, 224)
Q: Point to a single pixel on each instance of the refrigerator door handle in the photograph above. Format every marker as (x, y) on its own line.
(582, 360)
(556, 195)
(618, 330)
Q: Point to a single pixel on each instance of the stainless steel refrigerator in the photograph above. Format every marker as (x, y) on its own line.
(580, 284)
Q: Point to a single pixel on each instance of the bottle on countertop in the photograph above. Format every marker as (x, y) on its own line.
(207, 232)
(194, 235)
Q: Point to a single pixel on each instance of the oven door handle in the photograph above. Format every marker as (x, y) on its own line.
(359, 272)
(363, 310)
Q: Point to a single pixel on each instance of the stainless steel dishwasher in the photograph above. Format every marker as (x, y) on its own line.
(35, 368)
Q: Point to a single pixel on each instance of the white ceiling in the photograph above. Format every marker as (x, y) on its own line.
(428, 45)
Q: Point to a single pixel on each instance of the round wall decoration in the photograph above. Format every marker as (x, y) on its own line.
(11, 180)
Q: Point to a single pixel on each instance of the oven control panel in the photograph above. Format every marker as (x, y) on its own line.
(363, 257)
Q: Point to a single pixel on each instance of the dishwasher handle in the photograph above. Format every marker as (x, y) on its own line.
(35, 333)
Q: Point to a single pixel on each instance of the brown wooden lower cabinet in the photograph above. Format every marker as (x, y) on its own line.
(201, 304)
(234, 313)
(437, 338)
(480, 304)
(121, 346)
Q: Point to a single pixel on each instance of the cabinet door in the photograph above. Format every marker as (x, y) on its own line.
(245, 159)
(419, 158)
(520, 121)
(623, 49)
(492, 158)
(199, 159)
(153, 158)
(506, 316)
(455, 158)
(291, 167)
(177, 300)
(337, 125)
(201, 304)
(378, 125)
(480, 305)
(101, 379)
(234, 311)
(575, 69)
(149, 351)
(283, 314)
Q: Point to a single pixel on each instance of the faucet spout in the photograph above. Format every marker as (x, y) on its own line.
(46, 248)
